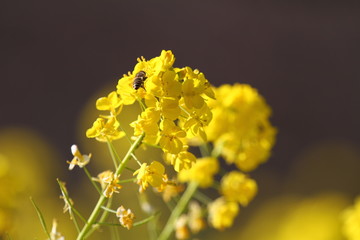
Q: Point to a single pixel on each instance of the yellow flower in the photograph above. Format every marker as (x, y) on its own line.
(182, 160)
(198, 119)
(170, 140)
(160, 79)
(109, 182)
(202, 172)
(111, 103)
(105, 130)
(126, 217)
(194, 85)
(168, 191)
(351, 220)
(79, 159)
(240, 126)
(222, 213)
(147, 122)
(195, 218)
(166, 61)
(168, 106)
(152, 174)
(181, 230)
(126, 91)
(164, 84)
(236, 186)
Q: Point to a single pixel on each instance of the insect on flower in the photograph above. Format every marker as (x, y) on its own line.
(139, 80)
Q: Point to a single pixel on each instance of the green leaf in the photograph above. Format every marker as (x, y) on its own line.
(41, 217)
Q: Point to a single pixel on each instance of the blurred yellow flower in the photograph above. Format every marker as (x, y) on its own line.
(196, 220)
(126, 217)
(236, 186)
(240, 127)
(222, 213)
(109, 183)
(351, 219)
(181, 230)
(202, 172)
(171, 190)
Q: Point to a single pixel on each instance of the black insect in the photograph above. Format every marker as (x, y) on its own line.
(139, 80)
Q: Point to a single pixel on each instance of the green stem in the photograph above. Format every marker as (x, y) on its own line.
(127, 180)
(103, 216)
(169, 227)
(95, 213)
(202, 197)
(127, 157)
(112, 153)
(91, 180)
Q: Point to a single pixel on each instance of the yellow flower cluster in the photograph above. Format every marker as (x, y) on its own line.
(174, 107)
(240, 128)
(222, 213)
(178, 109)
(351, 219)
(106, 127)
(241, 132)
(236, 186)
(202, 172)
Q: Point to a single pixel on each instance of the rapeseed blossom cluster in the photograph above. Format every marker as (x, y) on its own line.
(241, 133)
(240, 128)
(179, 110)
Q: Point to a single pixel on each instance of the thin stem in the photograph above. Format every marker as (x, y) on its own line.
(127, 180)
(142, 106)
(135, 158)
(202, 197)
(205, 150)
(108, 209)
(145, 220)
(91, 180)
(169, 227)
(130, 169)
(103, 216)
(127, 157)
(184, 110)
(114, 157)
(95, 213)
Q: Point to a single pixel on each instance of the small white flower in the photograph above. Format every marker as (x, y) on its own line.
(79, 159)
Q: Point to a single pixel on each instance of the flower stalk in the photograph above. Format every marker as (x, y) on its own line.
(95, 213)
(180, 207)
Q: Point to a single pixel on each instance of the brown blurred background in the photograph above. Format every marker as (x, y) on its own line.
(302, 56)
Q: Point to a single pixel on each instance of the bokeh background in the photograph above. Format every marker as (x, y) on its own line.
(58, 57)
